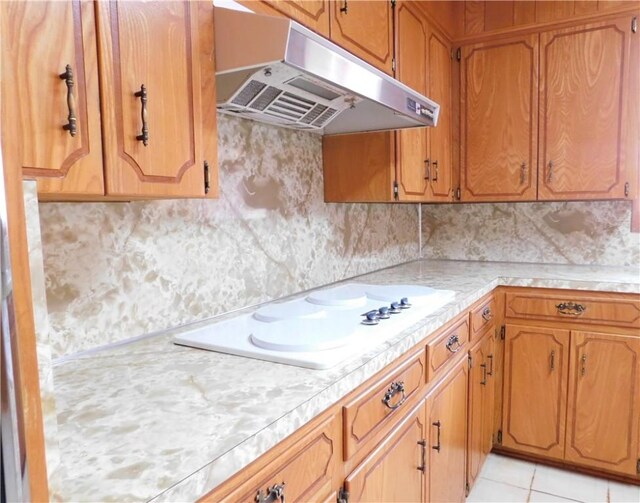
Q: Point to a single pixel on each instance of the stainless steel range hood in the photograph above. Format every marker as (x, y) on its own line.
(274, 70)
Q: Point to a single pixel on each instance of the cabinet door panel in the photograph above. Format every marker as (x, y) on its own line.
(499, 110)
(535, 385)
(390, 473)
(584, 111)
(448, 408)
(413, 180)
(440, 136)
(365, 29)
(39, 40)
(157, 45)
(604, 401)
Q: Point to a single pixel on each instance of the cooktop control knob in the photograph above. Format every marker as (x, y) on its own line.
(371, 318)
(395, 308)
(404, 303)
(383, 313)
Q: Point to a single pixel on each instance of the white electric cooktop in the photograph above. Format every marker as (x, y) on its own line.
(325, 328)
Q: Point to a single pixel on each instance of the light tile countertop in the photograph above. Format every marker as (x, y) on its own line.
(154, 421)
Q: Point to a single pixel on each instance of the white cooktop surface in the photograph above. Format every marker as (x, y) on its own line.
(321, 330)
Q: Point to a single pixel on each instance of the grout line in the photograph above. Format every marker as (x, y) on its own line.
(558, 496)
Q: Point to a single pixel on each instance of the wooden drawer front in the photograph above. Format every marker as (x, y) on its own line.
(482, 318)
(446, 347)
(368, 413)
(574, 307)
(307, 469)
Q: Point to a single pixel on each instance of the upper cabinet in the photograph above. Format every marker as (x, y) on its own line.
(125, 111)
(313, 14)
(499, 112)
(411, 164)
(51, 104)
(566, 130)
(586, 151)
(365, 28)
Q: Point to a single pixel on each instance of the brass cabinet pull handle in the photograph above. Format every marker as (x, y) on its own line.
(435, 176)
(523, 172)
(486, 314)
(142, 94)
(345, 7)
(550, 172)
(490, 372)
(583, 365)
(437, 446)
(271, 495)
(484, 374)
(423, 446)
(571, 308)
(552, 363)
(394, 389)
(427, 169)
(72, 124)
(453, 340)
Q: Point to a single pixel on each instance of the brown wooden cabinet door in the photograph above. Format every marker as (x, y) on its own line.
(167, 47)
(441, 169)
(499, 114)
(39, 40)
(535, 389)
(313, 14)
(411, 144)
(392, 471)
(480, 423)
(584, 114)
(365, 28)
(604, 401)
(447, 425)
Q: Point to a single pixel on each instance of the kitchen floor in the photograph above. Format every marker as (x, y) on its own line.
(504, 479)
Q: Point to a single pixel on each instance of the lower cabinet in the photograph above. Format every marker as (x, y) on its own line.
(481, 405)
(395, 470)
(535, 390)
(447, 423)
(604, 402)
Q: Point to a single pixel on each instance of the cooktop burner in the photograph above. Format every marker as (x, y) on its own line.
(323, 329)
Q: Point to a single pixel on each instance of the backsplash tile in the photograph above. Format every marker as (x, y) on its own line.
(594, 232)
(119, 270)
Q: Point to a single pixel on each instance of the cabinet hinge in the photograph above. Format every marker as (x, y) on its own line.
(638, 466)
(207, 180)
(500, 437)
(470, 361)
(395, 190)
(502, 332)
(393, 64)
(393, 3)
(343, 496)
(459, 54)
(458, 194)
(466, 489)
(626, 189)
(634, 25)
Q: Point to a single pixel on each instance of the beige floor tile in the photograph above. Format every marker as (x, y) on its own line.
(489, 491)
(570, 485)
(538, 497)
(623, 493)
(508, 471)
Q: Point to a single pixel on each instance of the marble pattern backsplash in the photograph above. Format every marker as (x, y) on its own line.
(594, 232)
(119, 270)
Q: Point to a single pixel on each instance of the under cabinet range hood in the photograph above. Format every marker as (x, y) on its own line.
(274, 70)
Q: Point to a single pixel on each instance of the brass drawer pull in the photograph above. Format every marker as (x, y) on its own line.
(486, 314)
(427, 169)
(273, 494)
(523, 172)
(423, 447)
(435, 166)
(142, 94)
(490, 372)
(454, 341)
(583, 365)
(484, 374)
(571, 308)
(394, 389)
(437, 446)
(345, 7)
(550, 172)
(72, 124)
(552, 362)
